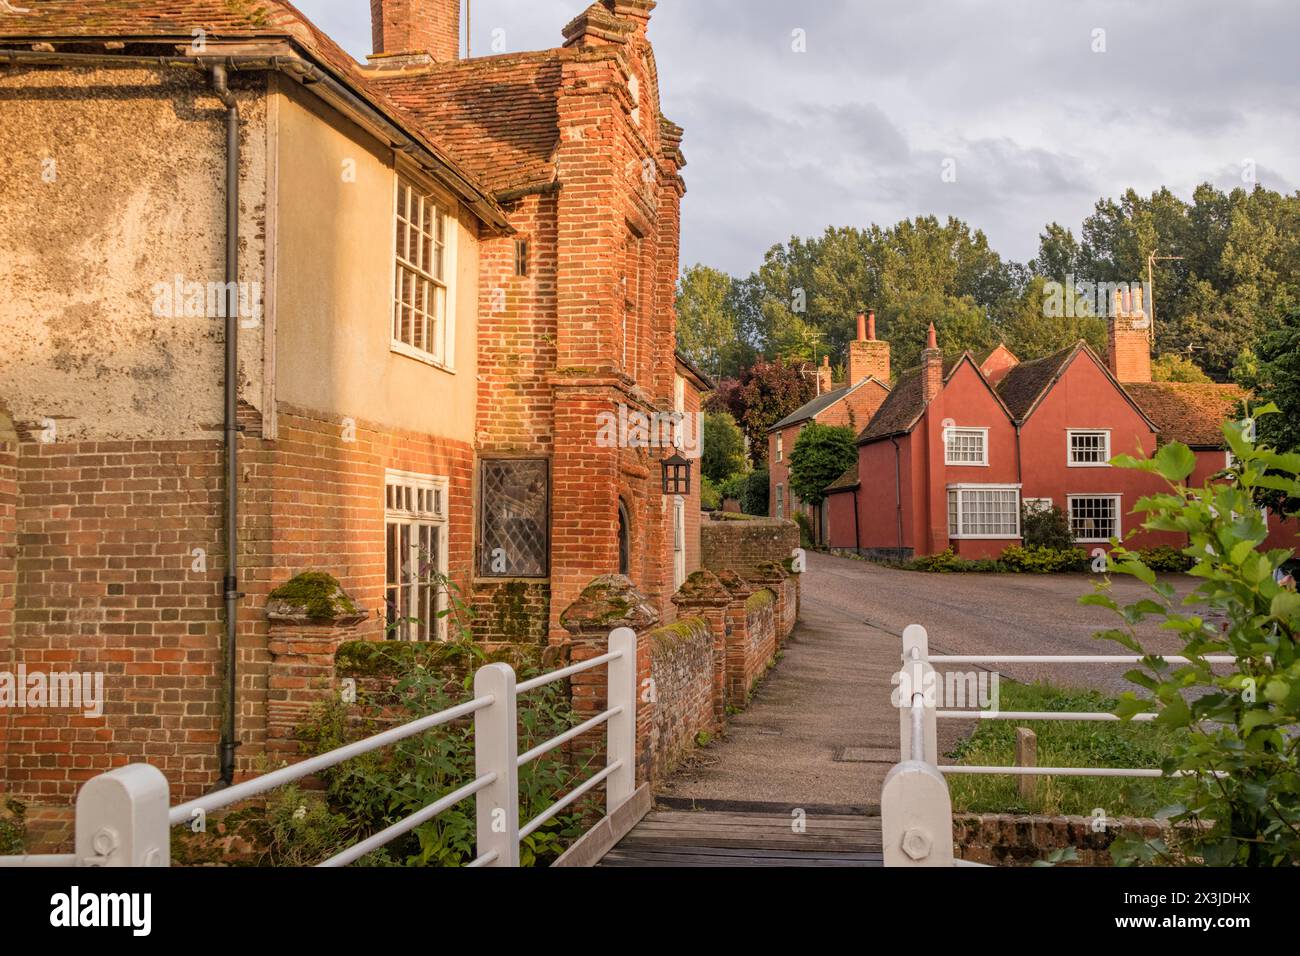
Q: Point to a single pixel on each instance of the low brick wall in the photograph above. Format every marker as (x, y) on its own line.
(760, 637)
(1009, 839)
(681, 666)
(741, 545)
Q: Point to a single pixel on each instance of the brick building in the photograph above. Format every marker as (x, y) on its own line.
(444, 291)
(962, 442)
(852, 405)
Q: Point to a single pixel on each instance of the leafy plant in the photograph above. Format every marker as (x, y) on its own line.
(1239, 800)
(1165, 558)
(1043, 560)
(1045, 528)
(724, 447)
(821, 454)
(710, 496)
(754, 500)
(13, 828)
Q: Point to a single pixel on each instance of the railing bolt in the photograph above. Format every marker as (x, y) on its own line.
(917, 843)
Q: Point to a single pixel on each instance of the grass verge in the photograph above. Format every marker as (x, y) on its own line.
(1062, 744)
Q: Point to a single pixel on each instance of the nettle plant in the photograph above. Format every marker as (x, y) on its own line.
(1239, 799)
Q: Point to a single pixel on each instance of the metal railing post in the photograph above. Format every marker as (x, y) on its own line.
(122, 818)
(917, 675)
(496, 750)
(621, 749)
(916, 816)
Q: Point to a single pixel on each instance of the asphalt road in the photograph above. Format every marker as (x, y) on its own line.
(990, 613)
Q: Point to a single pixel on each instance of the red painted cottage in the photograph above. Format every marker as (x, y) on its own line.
(852, 404)
(960, 443)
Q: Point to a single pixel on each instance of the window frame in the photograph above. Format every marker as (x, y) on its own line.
(984, 446)
(481, 543)
(958, 489)
(1117, 498)
(445, 210)
(437, 520)
(780, 447)
(1069, 448)
(1045, 504)
(780, 501)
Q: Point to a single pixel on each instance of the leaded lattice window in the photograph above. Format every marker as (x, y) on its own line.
(514, 538)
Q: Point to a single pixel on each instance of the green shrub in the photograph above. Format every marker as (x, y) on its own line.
(13, 828)
(1165, 558)
(805, 529)
(1238, 795)
(734, 486)
(942, 563)
(301, 830)
(1045, 528)
(710, 496)
(754, 499)
(1041, 560)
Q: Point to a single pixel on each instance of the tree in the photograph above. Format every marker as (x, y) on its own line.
(1172, 367)
(708, 321)
(724, 447)
(821, 454)
(1274, 377)
(764, 394)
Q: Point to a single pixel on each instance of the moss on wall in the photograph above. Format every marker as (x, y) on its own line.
(318, 594)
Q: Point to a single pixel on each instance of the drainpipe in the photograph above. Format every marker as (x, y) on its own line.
(230, 583)
(898, 491)
(857, 535)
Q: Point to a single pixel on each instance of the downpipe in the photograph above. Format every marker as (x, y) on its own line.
(230, 583)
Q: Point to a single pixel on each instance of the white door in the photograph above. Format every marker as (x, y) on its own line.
(679, 542)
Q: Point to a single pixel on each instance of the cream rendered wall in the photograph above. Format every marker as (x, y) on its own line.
(334, 278)
(113, 181)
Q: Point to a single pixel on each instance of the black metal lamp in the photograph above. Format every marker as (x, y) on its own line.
(677, 475)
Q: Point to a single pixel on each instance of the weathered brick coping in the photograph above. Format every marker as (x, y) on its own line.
(1016, 839)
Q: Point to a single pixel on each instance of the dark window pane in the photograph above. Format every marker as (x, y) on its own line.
(515, 518)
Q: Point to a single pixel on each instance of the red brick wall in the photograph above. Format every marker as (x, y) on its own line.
(8, 556)
(681, 666)
(107, 534)
(741, 545)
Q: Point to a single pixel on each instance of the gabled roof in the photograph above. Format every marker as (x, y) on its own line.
(1024, 387)
(702, 381)
(173, 22)
(822, 402)
(845, 482)
(905, 405)
(1190, 412)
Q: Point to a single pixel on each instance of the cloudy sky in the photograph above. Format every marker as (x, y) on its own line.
(1033, 108)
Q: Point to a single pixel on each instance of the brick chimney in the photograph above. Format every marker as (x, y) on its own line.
(931, 367)
(867, 354)
(1128, 351)
(409, 28)
(824, 376)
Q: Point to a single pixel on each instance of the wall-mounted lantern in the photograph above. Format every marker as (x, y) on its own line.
(677, 475)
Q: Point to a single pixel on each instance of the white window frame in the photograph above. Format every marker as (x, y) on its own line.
(1042, 504)
(780, 447)
(443, 352)
(953, 431)
(1069, 447)
(954, 531)
(417, 502)
(780, 501)
(1119, 514)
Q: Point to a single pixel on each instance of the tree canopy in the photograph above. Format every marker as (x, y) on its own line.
(1227, 266)
(821, 454)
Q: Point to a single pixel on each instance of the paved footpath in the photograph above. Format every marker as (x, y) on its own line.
(821, 730)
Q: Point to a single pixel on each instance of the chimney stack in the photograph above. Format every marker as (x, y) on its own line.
(824, 376)
(416, 30)
(1128, 351)
(931, 367)
(868, 355)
